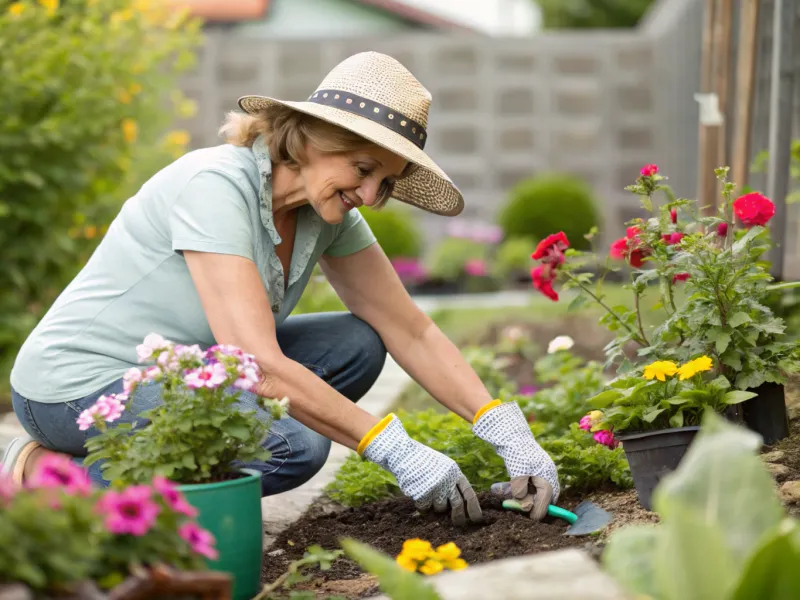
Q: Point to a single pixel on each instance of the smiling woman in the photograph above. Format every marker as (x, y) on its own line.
(218, 247)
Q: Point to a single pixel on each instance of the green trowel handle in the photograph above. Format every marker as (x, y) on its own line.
(552, 510)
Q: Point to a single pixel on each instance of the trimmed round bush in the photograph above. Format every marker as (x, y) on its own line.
(449, 257)
(513, 256)
(396, 231)
(547, 204)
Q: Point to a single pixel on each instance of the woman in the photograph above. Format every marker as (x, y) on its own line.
(218, 247)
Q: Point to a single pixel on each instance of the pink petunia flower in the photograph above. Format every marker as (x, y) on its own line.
(209, 376)
(149, 345)
(475, 267)
(527, 390)
(152, 374)
(131, 511)
(131, 379)
(107, 408)
(585, 423)
(201, 541)
(8, 489)
(56, 471)
(248, 378)
(606, 438)
(173, 497)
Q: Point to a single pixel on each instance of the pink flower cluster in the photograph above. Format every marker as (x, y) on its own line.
(107, 408)
(483, 233)
(601, 436)
(410, 270)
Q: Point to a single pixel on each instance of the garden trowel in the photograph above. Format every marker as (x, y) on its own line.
(588, 517)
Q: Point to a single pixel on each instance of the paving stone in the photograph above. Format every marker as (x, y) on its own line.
(790, 492)
(561, 575)
(774, 456)
(778, 471)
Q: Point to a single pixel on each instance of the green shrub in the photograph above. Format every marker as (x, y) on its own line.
(593, 14)
(83, 115)
(448, 258)
(396, 231)
(319, 296)
(513, 256)
(549, 203)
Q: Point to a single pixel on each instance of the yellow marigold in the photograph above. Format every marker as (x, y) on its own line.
(135, 88)
(90, 232)
(456, 565)
(448, 551)
(661, 369)
(124, 96)
(178, 137)
(16, 9)
(693, 367)
(129, 130)
(417, 549)
(50, 5)
(409, 564)
(431, 567)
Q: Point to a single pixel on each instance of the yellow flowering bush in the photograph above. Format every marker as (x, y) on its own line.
(419, 556)
(662, 394)
(84, 123)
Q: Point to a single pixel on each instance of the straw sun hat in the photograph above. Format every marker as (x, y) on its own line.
(376, 97)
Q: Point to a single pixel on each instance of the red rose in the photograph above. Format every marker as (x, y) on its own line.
(542, 277)
(551, 248)
(722, 229)
(672, 238)
(649, 170)
(673, 216)
(679, 277)
(630, 248)
(754, 209)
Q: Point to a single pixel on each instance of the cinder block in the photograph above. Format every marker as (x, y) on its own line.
(515, 139)
(581, 140)
(457, 140)
(238, 70)
(635, 98)
(635, 138)
(639, 57)
(577, 102)
(518, 101)
(457, 60)
(299, 60)
(576, 65)
(456, 100)
(508, 63)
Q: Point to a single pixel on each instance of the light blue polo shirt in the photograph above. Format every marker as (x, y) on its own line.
(211, 200)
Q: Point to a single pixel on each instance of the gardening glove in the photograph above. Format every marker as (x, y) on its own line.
(534, 478)
(428, 477)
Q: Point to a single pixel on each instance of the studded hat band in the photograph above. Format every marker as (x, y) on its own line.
(374, 111)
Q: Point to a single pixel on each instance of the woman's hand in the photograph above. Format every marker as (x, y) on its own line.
(534, 477)
(428, 477)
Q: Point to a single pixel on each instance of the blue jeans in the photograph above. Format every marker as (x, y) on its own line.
(338, 347)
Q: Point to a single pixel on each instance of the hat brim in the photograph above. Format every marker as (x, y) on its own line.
(428, 187)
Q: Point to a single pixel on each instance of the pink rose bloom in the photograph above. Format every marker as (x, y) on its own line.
(200, 540)
(56, 471)
(475, 267)
(649, 170)
(680, 277)
(209, 376)
(131, 511)
(606, 438)
(173, 497)
(149, 345)
(585, 423)
(672, 238)
(722, 229)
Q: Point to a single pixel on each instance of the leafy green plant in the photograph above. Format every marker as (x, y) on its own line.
(593, 14)
(297, 572)
(723, 533)
(89, 92)
(396, 230)
(551, 202)
(666, 395)
(512, 257)
(196, 435)
(449, 257)
(319, 296)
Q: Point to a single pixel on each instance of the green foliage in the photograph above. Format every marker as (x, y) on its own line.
(319, 296)
(195, 434)
(449, 257)
(83, 114)
(395, 582)
(723, 528)
(513, 256)
(548, 203)
(297, 572)
(396, 230)
(761, 163)
(360, 482)
(592, 14)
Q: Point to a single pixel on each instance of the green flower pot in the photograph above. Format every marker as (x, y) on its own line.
(231, 511)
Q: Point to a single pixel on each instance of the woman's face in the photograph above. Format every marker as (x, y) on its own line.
(337, 183)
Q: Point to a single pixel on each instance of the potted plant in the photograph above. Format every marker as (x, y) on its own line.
(655, 411)
(197, 438)
(713, 286)
(62, 537)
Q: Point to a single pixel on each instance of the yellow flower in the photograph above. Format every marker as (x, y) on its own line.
(417, 549)
(50, 5)
(456, 565)
(124, 96)
(178, 137)
(135, 88)
(90, 232)
(129, 130)
(661, 369)
(693, 367)
(16, 9)
(448, 551)
(121, 16)
(409, 564)
(431, 567)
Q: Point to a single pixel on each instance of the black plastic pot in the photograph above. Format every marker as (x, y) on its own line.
(653, 454)
(766, 414)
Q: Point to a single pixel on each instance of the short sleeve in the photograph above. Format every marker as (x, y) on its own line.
(211, 215)
(353, 235)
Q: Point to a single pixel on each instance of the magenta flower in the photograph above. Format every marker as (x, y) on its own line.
(649, 170)
(527, 390)
(475, 267)
(173, 497)
(209, 376)
(722, 229)
(606, 438)
(56, 471)
(673, 215)
(8, 488)
(151, 343)
(680, 277)
(131, 511)
(131, 379)
(408, 269)
(585, 423)
(107, 408)
(200, 540)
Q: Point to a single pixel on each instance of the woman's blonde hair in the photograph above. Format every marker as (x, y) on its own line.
(287, 132)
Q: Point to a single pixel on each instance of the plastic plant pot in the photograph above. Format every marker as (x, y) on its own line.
(766, 414)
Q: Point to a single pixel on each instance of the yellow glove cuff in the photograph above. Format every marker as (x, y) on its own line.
(373, 433)
(486, 408)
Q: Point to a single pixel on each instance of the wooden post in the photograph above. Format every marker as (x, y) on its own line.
(745, 84)
(722, 75)
(707, 147)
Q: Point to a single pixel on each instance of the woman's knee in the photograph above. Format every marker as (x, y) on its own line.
(297, 454)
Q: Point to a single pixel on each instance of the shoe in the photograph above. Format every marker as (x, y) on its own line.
(15, 456)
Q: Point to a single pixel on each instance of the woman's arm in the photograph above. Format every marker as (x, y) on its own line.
(370, 288)
(238, 311)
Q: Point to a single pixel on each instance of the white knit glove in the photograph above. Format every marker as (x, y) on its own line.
(534, 477)
(426, 476)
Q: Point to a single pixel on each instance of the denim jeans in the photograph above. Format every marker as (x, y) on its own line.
(338, 347)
